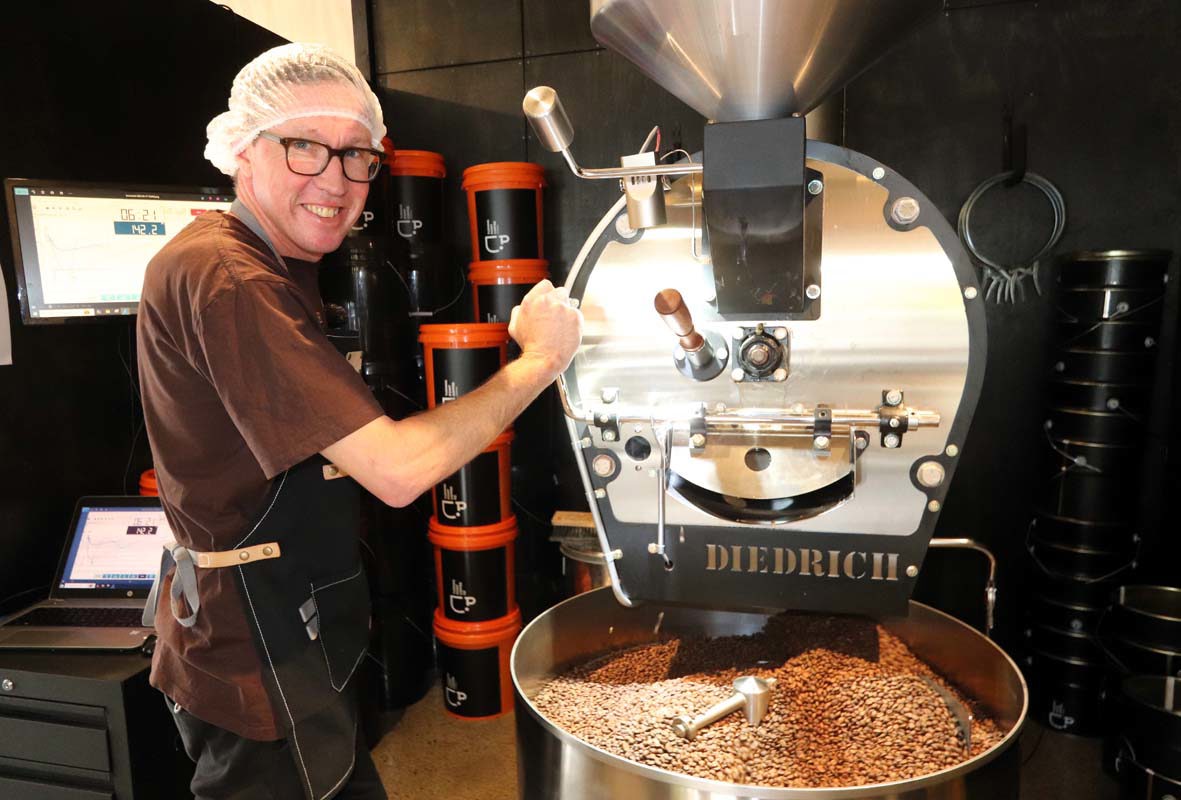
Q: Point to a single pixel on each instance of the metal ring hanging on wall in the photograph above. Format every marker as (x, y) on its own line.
(1004, 280)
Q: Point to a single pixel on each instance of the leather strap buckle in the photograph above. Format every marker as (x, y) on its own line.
(233, 558)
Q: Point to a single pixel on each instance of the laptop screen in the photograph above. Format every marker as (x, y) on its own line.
(115, 547)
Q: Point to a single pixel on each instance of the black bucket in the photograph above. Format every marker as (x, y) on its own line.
(1133, 398)
(1134, 658)
(1104, 366)
(1126, 337)
(1105, 459)
(1148, 615)
(1097, 497)
(1105, 305)
(1099, 427)
(1138, 781)
(1104, 537)
(1148, 716)
(458, 358)
(1068, 645)
(1078, 563)
(1065, 616)
(1067, 591)
(1067, 694)
(1138, 269)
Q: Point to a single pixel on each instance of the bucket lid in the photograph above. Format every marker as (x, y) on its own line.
(506, 527)
(519, 270)
(419, 163)
(470, 334)
(147, 483)
(489, 175)
(472, 635)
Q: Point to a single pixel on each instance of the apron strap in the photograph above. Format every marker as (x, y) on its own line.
(184, 582)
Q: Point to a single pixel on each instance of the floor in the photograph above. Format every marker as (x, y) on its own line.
(428, 754)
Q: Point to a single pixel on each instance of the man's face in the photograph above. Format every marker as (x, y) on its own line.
(305, 216)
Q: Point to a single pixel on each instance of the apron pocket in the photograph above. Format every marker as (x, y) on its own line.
(342, 611)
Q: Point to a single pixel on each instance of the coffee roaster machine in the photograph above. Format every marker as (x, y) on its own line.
(784, 345)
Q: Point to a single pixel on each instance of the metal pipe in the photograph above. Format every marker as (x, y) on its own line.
(990, 587)
(672, 309)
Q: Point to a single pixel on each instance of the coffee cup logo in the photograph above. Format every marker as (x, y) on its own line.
(407, 225)
(365, 218)
(451, 693)
(494, 240)
(459, 600)
(451, 507)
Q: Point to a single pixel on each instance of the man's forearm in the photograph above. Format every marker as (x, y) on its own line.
(399, 460)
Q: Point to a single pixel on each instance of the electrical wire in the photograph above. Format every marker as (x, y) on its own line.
(23, 593)
(1005, 282)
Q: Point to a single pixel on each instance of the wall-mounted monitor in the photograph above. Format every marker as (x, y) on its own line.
(80, 249)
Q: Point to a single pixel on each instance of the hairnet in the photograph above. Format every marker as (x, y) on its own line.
(285, 83)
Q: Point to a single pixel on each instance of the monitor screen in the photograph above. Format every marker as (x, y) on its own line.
(116, 548)
(81, 249)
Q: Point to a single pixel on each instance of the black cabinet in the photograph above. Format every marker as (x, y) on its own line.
(85, 726)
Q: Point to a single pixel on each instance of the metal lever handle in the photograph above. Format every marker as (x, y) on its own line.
(990, 586)
(548, 119)
(751, 694)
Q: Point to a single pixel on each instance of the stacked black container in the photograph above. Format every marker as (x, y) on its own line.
(1083, 539)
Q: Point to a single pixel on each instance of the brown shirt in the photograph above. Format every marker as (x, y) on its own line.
(239, 384)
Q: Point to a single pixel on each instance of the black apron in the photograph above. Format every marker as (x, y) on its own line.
(308, 609)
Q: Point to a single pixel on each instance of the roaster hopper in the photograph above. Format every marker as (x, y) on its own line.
(783, 432)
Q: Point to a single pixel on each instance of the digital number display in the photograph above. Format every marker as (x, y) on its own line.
(141, 530)
(139, 228)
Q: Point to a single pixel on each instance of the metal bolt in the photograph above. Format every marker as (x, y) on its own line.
(737, 375)
(1113, 403)
(603, 465)
(1059, 367)
(878, 173)
(815, 187)
(912, 571)
(779, 374)
(759, 354)
(894, 423)
(637, 427)
(738, 334)
(1122, 307)
(719, 407)
(952, 450)
(652, 548)
(905, 210)
(821, 443)
(610, 395)
(7, 685)
(1149, 341)
(722, 354)
(934, 506)
(797, 408)
(608, 436)
(624, 228)
(585, 442)
(781, 333)
(813, 291)
(930, 474)
(891, 440)
(573, 301)
(600, 493)
(1076, 624)
(697, 440)
(604, 418)
(894, 397)
(970, 292)
(862, 442)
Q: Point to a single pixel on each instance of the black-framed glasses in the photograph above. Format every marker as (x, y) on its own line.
(308, 157)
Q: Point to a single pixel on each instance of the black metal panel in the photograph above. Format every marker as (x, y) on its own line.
(612, 107)
(418, 34)
(557, 26)
(470, 114)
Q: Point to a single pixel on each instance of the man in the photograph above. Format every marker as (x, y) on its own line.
(265, 617)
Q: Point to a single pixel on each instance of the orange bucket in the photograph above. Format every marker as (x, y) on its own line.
(504, 208)
(474, 571)
(497, 286)
(478, 493)
(147, 484)
(460, 357)
(414, 181)
(474, 665)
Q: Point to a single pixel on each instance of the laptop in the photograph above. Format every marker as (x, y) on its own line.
(107, 566)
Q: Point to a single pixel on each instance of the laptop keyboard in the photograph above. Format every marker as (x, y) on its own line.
(46, 616)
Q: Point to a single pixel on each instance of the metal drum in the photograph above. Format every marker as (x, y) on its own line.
(553, 763)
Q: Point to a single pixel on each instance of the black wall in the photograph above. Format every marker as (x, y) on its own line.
(1094, 81)
(113, 91)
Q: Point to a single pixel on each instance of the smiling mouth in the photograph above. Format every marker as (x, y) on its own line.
(324, 212)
